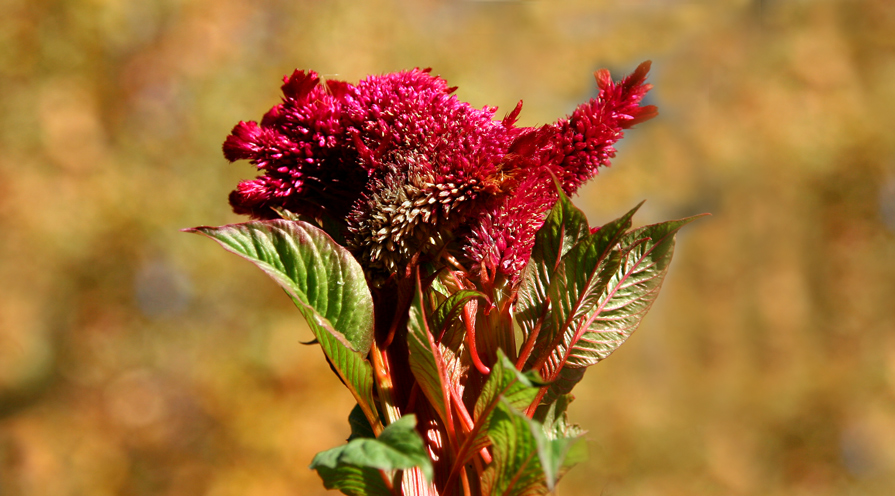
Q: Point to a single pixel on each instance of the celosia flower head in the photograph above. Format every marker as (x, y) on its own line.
(571, 150)
(409, 170)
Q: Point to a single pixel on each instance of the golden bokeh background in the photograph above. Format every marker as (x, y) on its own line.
(137, 360)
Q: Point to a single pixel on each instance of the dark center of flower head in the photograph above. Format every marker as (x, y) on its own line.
(408, 170)
(413, 211)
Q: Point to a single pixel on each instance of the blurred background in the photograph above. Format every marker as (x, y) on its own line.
(138, 360)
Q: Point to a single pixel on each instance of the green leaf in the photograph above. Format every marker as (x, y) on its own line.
(564, 227)
(288, 214)
(324, 222)
(557, 455)
(554, 419)
(576, 285)
(447, 312)
(526, 461)
(326, 284)
(360, 426)
(579, 281)
(308, 264)
(353, 480)
(595, 319)
(437, 285)
(567, 379)
(426, 362)
(630, 292)
(505, 382)
(398, 447)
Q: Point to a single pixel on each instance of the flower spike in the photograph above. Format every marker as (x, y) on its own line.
(408, 170)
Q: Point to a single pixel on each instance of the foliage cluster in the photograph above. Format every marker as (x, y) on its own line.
(454, 302)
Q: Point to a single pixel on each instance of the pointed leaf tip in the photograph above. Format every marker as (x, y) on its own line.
(311, 267)
(326, 284)
(526, 461)
(398, 447)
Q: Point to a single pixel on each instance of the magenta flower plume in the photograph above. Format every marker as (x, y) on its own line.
(570, 150)
(409, 171)
(584, 140)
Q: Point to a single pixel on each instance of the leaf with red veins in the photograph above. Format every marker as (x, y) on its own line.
(564, 228)
(598, 301)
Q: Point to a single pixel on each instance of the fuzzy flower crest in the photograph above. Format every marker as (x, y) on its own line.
(407, 171)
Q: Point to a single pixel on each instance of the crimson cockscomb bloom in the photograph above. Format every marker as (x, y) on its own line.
(570, 150)
(409, 171)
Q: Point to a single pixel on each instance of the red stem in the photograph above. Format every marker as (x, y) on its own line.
(469, 311)
(465, 479)
(529, 345)
(388, 482)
